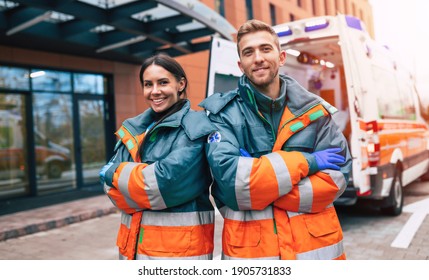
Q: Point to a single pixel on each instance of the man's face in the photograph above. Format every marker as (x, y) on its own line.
(260, 58)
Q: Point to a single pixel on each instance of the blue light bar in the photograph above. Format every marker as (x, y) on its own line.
(286, 32)
(316, 25)
(354, 22)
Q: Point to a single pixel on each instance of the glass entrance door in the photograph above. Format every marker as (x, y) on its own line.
(14, 175)
(91, 94)
(92, 139)
(53, 134)
(53, 130)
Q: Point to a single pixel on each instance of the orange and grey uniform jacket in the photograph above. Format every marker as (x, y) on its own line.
(164, 198)
(275, 204)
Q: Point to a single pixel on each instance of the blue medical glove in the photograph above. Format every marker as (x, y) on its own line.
(102, 172)
(329, 159)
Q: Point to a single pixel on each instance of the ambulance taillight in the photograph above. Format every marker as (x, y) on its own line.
(373, 144)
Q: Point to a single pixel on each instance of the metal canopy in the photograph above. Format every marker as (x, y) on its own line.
(119, 30)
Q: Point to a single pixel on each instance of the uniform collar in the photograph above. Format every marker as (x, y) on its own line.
(140, 123)
(259, 100)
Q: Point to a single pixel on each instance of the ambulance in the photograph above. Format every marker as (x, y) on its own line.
(51, 159)
(379, 111)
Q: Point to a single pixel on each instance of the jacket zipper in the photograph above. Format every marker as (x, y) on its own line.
(267, 122)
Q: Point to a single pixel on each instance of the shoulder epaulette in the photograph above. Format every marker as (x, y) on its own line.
(196, 124)
(331, 109)
(218, 101)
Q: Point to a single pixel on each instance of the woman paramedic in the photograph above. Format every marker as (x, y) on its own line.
(159, 177)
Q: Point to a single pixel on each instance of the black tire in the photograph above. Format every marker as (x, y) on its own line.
(395, 201)
(54, 170)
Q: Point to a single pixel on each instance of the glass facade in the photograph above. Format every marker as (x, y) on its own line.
(44, 80)
(220, 7)
(89, 83)
(52, 130)
(273, 14)
(53, 134)
(249, 9)
(14, 78)
(14, 176)
(92, 139)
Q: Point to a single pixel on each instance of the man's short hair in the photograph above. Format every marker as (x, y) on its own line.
(255, 25)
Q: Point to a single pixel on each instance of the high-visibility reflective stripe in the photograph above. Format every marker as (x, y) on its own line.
(126, 220)
(123, 180)
(282, 173)
(314, 116)
(294, 214)
(339, 180)
(278, 170)
(121, 133)
(122, 257)
(107, 188)
(152, 188)
(297, 126)
(245, 216)
(225, 257)
(242, 182)
(331, 108)
(177, 219)
(130, 144)
(306, 195)
(202, 257)
(326, 253)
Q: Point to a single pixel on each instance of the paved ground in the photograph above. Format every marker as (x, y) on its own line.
(368, 234)
(54, 216)
(86, 229)
(92, 239)
(370, 237)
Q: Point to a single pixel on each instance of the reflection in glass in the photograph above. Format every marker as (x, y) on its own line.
(47, 80)
(89, 83)
(92, 139)
(53, 130)
(14, 78)
(54, 95)
(13, 146)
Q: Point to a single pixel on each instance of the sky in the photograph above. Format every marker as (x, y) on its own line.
(402, 25)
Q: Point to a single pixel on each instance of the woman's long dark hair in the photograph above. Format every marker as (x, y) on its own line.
(172, 66)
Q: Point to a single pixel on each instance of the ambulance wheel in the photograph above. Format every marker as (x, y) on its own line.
(54, 170)
(395, 201)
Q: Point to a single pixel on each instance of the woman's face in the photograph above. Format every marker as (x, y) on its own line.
(160, 88)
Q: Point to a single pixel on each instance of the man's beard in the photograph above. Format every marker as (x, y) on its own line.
(264, 85)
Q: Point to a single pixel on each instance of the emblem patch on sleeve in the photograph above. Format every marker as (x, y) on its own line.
(214, 137)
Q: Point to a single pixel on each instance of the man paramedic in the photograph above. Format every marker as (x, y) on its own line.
(278, 160)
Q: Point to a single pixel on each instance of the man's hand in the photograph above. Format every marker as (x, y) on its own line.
(329, 159)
